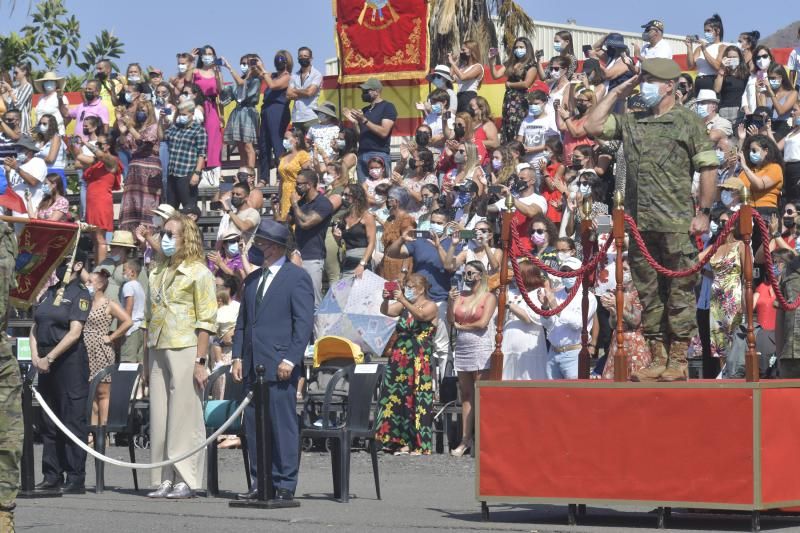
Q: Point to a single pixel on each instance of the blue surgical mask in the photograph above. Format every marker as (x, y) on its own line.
(557, 46)
(128, 97)
(255, 256)
(650, 94)
(776, 270)
(709, 37)
(714, 227)
(436, 108)
(168, 247)
(207, 59)
(585, 189)
(755, 158)
(720, 156)
(438, 229)
(497, 164)
(568, 283)
(702, 110)
(520, 52)
(42, 128)
(287, 145)
(534, 110)
(726, 197)
(775, 84)
(90, 288)
(22, 158)
(181, 120)
(409, 293)
(244, 68)
(49, 86)
(232, 248)
(46, 188)
(141, 116)
(439, 83)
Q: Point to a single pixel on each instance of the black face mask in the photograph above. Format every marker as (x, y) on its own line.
(101, 76)
(237, 202)
(422, 138)
(300, 189)
(577, 165)
(412, 164)
(86, 131)
(366, 97)
(458, 129)
(89, 96)
(471, 112)
(464, 57)
(788, 222)
(255, 256)
(581, 108)
(304, 62)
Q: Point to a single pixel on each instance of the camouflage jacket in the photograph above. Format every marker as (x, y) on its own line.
(8, 255)
(662, 154)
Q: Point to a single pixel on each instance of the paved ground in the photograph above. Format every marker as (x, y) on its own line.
(419, 494)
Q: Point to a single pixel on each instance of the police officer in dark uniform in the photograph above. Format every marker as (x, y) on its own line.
(59, 354)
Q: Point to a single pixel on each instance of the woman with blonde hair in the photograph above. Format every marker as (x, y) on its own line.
(182, 316)
(139, 137)
(468, 70)
(485, 130)
(469, 313)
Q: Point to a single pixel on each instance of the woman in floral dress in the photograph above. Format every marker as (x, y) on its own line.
(521, 71)
(636, 351)
(404, 424)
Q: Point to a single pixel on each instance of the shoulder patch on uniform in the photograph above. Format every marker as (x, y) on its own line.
(83, 304)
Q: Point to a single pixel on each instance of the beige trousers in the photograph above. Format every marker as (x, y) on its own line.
(176, 416)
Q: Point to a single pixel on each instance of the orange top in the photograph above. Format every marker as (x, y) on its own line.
(769, 197)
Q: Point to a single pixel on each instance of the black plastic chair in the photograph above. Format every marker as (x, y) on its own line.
(124, 382)
(215, 412)
(356, 422)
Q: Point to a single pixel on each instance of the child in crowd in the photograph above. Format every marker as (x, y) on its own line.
(133, 301)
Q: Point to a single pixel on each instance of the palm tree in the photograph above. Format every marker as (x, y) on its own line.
(455, 21)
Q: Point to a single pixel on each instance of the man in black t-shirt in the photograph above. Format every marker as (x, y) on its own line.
(312, 214)
(374, 123)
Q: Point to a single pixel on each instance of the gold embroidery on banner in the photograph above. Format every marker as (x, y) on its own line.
(409, 55)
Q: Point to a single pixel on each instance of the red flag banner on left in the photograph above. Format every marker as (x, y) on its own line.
(42, 246)
(11, 200)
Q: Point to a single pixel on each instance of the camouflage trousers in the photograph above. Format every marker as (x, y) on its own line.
(668, 304)
(11, 429)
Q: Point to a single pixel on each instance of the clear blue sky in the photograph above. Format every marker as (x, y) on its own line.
(153, 31)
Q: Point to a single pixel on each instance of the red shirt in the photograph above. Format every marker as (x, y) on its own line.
(764, 309)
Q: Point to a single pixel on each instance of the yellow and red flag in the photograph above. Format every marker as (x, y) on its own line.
(384, 39)
(42, 246)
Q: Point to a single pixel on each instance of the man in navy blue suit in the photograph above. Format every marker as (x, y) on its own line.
(276, 320)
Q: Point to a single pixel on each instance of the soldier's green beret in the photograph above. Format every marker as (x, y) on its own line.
(661, 68)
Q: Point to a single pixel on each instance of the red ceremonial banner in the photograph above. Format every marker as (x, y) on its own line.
(384, 39)
(42, 246)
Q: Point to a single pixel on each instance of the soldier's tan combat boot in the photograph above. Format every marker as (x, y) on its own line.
(658, 363)
(678, 366)
(7, 521)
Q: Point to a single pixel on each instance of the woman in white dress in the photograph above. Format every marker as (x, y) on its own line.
(51, 85)
(524, 347)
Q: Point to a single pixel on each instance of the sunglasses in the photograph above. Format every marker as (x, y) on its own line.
(472, 274)
(166, 232)
(481, 231)
(555, 69)
(461, 151)
(762, 56)
(539, 231)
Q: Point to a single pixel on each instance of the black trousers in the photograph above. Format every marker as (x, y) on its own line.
(65, 389)
(181, 192)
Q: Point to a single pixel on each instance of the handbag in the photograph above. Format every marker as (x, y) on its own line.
(209, 178)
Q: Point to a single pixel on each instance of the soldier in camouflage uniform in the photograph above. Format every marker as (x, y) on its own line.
(11, 425)
(663, 148)
(787, 331)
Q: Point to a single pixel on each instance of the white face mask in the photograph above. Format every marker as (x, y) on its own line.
(134, 78)
(626, 277)
(763, 63)
(555, 74)
(182, 67)
(207, 59)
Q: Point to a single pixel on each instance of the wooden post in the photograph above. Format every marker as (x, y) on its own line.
(620, 357)
(496, 361)
(584, 361)
(746, 229)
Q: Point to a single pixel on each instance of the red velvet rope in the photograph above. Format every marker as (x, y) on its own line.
(536, 309)
(773, 281)
(680, 273)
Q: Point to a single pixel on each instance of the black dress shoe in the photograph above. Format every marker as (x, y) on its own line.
(252, 495)
(73, 488)
(49, 484)
(284, 494)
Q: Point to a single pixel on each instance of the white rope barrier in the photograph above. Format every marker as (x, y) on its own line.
(139, 466)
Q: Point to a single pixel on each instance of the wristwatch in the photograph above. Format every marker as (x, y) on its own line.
(200, 361)
(362, 263)
(706, 211)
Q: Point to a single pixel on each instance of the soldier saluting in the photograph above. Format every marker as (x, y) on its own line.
(663, 148)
